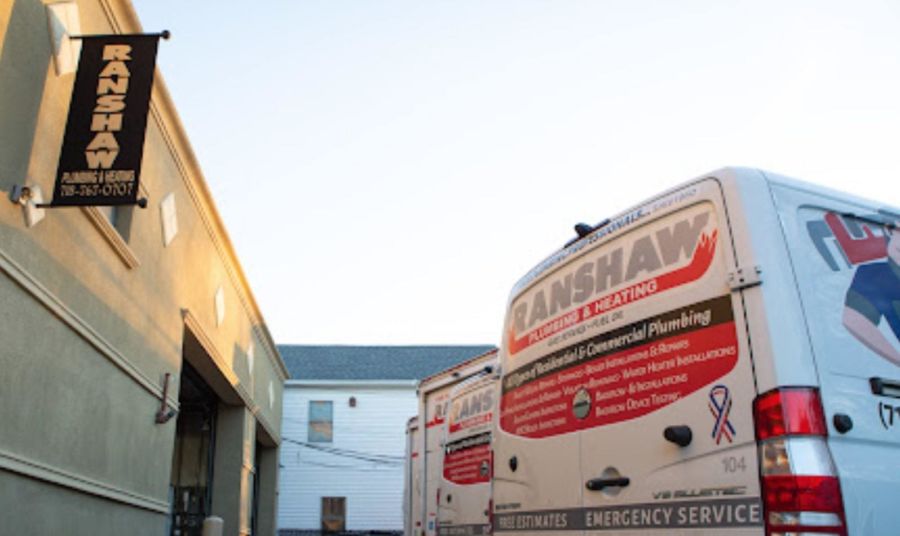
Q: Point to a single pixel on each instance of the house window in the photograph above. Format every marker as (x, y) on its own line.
(320, 421)
(220, 305)
(114, 224)
(119, 216)
(169, 217)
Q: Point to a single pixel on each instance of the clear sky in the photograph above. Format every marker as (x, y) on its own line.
(388, 169)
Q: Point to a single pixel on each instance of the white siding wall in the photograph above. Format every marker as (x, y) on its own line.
(377, 425)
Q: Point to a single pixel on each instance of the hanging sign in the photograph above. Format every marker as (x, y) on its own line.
(100, 161)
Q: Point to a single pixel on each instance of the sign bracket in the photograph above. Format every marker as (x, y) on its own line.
(21, 195)
(142, 203)
(165, 34)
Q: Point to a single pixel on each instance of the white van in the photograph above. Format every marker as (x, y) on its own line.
(434, 399)
(722, 359)
(464, 493)
(412, 481)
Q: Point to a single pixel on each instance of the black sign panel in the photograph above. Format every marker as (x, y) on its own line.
(100, 161)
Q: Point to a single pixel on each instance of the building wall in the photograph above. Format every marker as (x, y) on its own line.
(93, 317)
(377, 425)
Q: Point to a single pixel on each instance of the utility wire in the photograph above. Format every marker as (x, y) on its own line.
(348, 452)
(354, 467)
(382, 459)
(352, 453)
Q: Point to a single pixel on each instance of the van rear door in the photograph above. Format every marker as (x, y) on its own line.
(661, 368)
(847, 262)
(641, 347)
(466, 477)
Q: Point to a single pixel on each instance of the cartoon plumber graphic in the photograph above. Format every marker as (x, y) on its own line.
(873, 296)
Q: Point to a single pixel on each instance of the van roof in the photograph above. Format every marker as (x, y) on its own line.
(459, 365)
(741, 174)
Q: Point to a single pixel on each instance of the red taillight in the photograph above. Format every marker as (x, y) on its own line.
(803, 493)
(800, 488)
(789, 411)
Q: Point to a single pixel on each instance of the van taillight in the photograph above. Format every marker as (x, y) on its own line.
(490, 509)
(789, 411)
(800, 488)
(490, 513)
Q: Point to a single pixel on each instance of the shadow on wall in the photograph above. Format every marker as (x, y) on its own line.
(130, 320)
(260, 387)
(23, 73)
(89, 427)
(240, 364)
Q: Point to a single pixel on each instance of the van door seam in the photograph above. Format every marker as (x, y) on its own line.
(741, 292)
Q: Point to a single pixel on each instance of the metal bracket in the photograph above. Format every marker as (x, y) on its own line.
(744, 277)
(164, 413)
(22, 195)
(165, 34)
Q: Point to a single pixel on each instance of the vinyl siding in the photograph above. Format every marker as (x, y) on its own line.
(376, 426)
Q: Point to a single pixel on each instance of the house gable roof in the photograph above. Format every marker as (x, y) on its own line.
(337, 362)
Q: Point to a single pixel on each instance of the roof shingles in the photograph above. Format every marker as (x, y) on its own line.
(336, 362)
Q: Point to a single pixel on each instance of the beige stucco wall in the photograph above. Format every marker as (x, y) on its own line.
(91, 323)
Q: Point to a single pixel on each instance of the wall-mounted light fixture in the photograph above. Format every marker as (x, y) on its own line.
(30, 197)
(352, 401)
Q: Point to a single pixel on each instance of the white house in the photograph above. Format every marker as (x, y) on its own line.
(343, 433)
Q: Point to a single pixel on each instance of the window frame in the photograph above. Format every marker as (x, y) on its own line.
(318, 436)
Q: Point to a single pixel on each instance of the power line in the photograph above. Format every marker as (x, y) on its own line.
(382, 459)
(354, 467)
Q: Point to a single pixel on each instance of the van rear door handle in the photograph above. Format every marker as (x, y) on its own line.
(597, 484)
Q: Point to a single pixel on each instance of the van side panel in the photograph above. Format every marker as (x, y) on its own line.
(847, 265)
(412, 491)
(774, 313)
(436, 406)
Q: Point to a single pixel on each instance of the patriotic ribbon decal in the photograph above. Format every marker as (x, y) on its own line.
(720, 406)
